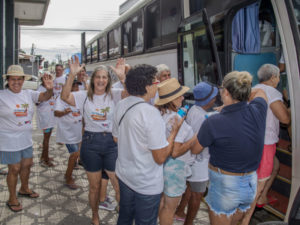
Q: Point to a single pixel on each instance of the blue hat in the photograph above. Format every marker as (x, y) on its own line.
(204, 93)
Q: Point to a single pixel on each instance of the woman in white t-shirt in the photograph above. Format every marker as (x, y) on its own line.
(98, 150)
(269, 77)
(177, 166)
(46, 122)
(16, 112)
(69, 132)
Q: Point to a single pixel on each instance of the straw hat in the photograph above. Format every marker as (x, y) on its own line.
(169, 90)
(16, 70)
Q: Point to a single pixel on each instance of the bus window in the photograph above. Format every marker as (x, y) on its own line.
(218, 30)
(95, 51)
(296, 4)
(102, 48)
(114, 43)
(195, 6)
(153, 25)
(170, 20)
(137, 33)
(88, 54)
(133, 35)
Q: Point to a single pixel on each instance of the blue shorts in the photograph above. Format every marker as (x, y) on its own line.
(98, 151)
(48, 130)
(174, 177)
(72, 148)
(15, 157)
(228, 193)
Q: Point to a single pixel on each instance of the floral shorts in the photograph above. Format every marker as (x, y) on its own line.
(174, 177)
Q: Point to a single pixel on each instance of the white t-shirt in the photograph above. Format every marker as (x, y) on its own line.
(82, 85)
(118, 84)
(97, 114)
(16, 112)
(45, 112)
(195, 118)
(184, 134)
(69, 126)
(142, 130)
(272, 123)
(58, 83)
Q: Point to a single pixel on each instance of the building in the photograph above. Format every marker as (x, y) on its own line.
(13, 14)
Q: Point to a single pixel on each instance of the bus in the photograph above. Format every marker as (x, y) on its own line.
(202, 40)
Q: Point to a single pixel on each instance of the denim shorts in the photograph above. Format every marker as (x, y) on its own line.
(15, 157)
(227, 193)
(72, 148)
(98, 151)
(174, 177)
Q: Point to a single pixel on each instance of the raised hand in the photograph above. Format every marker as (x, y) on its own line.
(119, 69)
(74, 65)
(48, 82)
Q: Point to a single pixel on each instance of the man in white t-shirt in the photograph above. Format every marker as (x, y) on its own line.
(205, 97)
(142, 148)
(59, 80)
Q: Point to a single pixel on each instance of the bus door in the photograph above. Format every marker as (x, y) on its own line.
(198, 59)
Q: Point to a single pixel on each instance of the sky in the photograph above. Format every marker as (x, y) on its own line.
(65, 16)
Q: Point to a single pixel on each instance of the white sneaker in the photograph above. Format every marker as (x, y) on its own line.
(107, 206)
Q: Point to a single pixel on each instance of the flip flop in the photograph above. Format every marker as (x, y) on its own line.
(260, 205)
(272, 200)
(10, 206)
(72, 186)
(28, 195)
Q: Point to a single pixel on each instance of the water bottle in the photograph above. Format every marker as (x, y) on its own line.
(183, 111)
(210, 114)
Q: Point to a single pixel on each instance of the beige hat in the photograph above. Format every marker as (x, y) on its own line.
(16, 70)
(169, 90)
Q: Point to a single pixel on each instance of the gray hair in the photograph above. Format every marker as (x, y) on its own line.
(266, 71)
(161, 68)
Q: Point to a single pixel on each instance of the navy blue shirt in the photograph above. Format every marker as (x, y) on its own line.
(235, 136)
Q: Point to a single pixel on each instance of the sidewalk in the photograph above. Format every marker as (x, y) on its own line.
(58, 204)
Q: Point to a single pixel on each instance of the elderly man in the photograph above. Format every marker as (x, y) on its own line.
(140, 132)
(163, 72)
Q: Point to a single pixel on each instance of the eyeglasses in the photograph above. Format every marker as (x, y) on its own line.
(221, 87)
(156, 82)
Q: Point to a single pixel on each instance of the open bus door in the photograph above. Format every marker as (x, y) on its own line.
(198, 59)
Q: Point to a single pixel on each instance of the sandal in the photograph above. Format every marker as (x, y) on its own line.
(11, 207)
(72, 186)
(33, 194)
(47, 164)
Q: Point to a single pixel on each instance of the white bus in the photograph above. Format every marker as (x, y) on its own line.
(202, 40)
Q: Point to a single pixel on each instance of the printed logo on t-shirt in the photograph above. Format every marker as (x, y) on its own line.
(100, 114)
(76, 113)
(58, 86)
(21, 110)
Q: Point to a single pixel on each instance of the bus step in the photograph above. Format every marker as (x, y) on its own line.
(279, 207)
(281, 187)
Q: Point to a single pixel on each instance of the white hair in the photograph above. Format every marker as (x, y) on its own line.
(266, 71)
(161, 68)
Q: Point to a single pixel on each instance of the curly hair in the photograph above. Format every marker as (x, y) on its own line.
(138, 78)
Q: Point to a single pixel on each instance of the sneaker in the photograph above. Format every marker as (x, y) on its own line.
(107, 206)
(109, 199)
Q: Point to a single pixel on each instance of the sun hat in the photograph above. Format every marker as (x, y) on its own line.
(16, 70)
(204, 93)
(169, 90)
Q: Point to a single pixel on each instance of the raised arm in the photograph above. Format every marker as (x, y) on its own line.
(160, 155)
(255, 93)
(48, 83)
(66, 94)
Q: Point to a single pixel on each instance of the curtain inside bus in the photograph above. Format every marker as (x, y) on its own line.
(245, 30)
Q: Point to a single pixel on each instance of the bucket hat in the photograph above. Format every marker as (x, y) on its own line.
(169, 90)
(204, 93)
(16, 70)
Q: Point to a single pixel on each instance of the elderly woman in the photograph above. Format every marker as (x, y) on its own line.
(169, 101)
(269, 77)
(98, 150)
(235, 138)
(16, 112)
